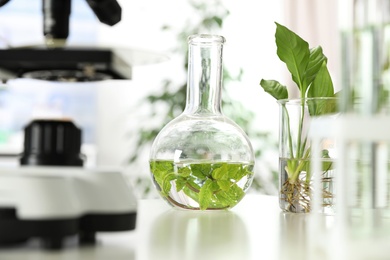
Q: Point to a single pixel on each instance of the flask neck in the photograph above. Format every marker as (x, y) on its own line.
(204, 83)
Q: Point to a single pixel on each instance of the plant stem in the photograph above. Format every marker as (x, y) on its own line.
(299, 150)
(298, 161)
(192, 188)
(289, 133)
(301, 164)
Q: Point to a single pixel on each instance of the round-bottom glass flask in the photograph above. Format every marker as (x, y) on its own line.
(202, 159)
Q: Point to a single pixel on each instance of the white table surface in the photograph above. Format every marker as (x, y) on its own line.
(255, 229)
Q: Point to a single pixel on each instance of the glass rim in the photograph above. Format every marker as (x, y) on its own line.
(299, 100)
(206, 39)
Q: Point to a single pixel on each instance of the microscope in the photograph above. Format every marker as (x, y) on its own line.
(55, 61)
(50, 196)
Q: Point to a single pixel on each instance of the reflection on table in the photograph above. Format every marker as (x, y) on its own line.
(178, 234)
(254, 229)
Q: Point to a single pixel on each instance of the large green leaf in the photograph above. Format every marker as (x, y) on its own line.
(322, 85)
(294, 52)
(274, 88)
(316, 60)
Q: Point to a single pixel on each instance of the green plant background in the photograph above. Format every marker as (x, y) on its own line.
(208, 17)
